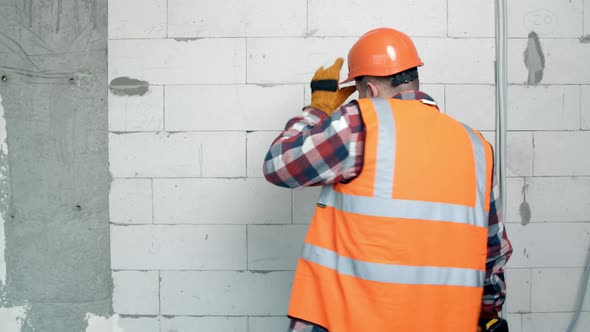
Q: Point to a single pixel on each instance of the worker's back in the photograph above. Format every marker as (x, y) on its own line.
(402, 247)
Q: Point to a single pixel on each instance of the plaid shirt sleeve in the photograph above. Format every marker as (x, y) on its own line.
(499, 251)
(316, 149)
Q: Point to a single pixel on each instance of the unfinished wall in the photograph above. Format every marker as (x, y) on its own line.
(53, 165)
(198, 90)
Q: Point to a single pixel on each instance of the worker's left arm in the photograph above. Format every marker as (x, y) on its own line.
(499, 251)
(317, 149)
(323, 145)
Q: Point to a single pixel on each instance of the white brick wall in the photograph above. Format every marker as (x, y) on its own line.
(168, 61)
(520, 290)
(234, 293)
(137, 113)
(585, 106)
(140, 324)
(200, 241)
(186, 247)
(263, 107)
(550, 19)
(554, 107)
(213, 324)
(354, 18)
(220, 201)
(280, 60)
(186, 154)
(456, 60)
(554, 289)
(472, 104)
(150, 24)
(274, 247)
(131, 201)
(562, 153)
(236, 18)
(551, 322)
(568, 245)
(136, 292)
(478, 23)
(564, 61)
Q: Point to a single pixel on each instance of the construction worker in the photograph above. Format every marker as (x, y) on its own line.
(406, 236)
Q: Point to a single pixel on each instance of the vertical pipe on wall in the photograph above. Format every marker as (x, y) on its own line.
(501, 104)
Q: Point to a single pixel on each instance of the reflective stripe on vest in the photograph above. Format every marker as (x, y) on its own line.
(383, 205)
(390, 273)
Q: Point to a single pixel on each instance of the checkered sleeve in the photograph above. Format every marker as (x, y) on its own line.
(499, 251)
(316, 149)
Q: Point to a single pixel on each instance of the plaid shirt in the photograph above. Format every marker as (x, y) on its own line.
(316, 150)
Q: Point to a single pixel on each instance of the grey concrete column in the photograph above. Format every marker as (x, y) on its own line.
(55, 179)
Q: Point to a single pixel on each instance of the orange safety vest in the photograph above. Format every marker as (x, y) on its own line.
(403, 246)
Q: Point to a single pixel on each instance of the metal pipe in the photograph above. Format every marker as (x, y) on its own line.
(581, 294)
(501, 103)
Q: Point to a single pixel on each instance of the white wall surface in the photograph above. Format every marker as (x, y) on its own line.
(201, 242)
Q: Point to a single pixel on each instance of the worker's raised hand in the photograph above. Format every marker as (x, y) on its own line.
(325, 94)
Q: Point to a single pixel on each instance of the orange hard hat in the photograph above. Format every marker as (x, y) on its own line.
(382, 52)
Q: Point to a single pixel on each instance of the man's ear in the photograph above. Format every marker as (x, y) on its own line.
(372, 90)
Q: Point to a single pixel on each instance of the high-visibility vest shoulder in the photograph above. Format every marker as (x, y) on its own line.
(403, 246)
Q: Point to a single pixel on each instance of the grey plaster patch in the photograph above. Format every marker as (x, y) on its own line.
(534, 59)
(125, 86)
(585, 39)
(524, 209)
(58, 317)
(267, 85)
(186, 40)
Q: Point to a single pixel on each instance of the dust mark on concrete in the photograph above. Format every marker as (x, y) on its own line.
(125, 86)
(76, 17)
(186, 40)
(585, 39)
(18, 50)
(525, 209)
(4, 193)
(13, 318)
(94, 14)
(28, 5)
(534, 60)
(58, 19)
(102, 324)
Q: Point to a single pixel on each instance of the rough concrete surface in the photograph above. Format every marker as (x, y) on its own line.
(53, 87)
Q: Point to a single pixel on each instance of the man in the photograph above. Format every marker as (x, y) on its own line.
(407, 236)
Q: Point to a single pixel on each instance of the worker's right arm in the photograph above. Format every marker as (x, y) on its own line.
(499, 251)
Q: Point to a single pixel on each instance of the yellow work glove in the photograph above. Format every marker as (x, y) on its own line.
(325, 94)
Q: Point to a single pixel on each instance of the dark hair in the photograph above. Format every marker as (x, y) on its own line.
(398, 79)
(404, 77)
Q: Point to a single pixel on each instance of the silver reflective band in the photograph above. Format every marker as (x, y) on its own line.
(399, 208)
(386, 141)
(396, 274)
(479, 155)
